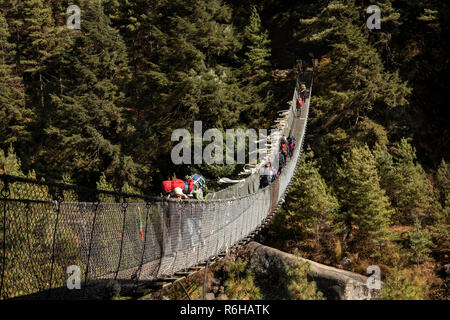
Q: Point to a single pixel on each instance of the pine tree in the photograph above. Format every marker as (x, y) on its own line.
(103, 184)
(354, 93)
(240, 284)
(385, 165)
(199, 86)
(351, 68)
(310, 205)
(410, 189)
(13, 114)
(256, 76)
(136, 22)
(441, 229)
(298, 285)
(38, 46)
(88, 123)
(399, 285)
(365, 209)
(38, 43)
(10, 163)
(258, 53)
(421, 243)
(419, 48)
(443, 183)
(184, 62)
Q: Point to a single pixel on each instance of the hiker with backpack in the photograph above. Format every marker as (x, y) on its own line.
(200, 189)
(274, 172)
(178, 193)
(194, 186)
(283, 139)
(298, 106)
(303, 92)
(291, 143)
(169, 186)
(266, 176)
(301, 99)
(284, 152)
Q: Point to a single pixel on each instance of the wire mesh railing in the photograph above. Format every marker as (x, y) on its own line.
(47, 227)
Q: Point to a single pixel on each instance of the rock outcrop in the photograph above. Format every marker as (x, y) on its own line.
(334, 283)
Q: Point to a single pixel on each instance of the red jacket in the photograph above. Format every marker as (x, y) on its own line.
(169, 185)
(283, 148)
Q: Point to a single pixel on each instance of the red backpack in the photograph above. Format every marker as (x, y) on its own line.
(169, 185)
(283, 148)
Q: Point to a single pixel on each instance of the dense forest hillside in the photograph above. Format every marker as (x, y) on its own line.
(97, 107)
(105, 99)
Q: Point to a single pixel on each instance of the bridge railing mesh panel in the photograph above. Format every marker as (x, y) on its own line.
(47, 227)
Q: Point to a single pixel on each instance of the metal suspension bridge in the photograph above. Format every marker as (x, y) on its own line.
(47, 227)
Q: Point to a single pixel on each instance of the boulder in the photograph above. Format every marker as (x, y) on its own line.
(334, 283)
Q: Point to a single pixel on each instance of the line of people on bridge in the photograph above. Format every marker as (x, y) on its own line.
(270, 173)
(301, 98)
(195, 186)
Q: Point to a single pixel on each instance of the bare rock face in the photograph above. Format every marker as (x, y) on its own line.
(334, 283)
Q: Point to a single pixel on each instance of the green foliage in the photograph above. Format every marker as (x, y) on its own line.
(352, 67)
(126, 188)
(309, 209)
(310, 206)
(39, 46)
(240, 284)
(88, 122)
(256, 76)
(103, 184)
(354, 93)
(10, 163)
(98, 106)
(428, 15)
(257, 49)
(298, 286)
(443, 183)
(190, 63)
(13, 114)
(410, 189)
(385, 165)
(371, 133)
(420, 240)
(365, 209)
(402, 286)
